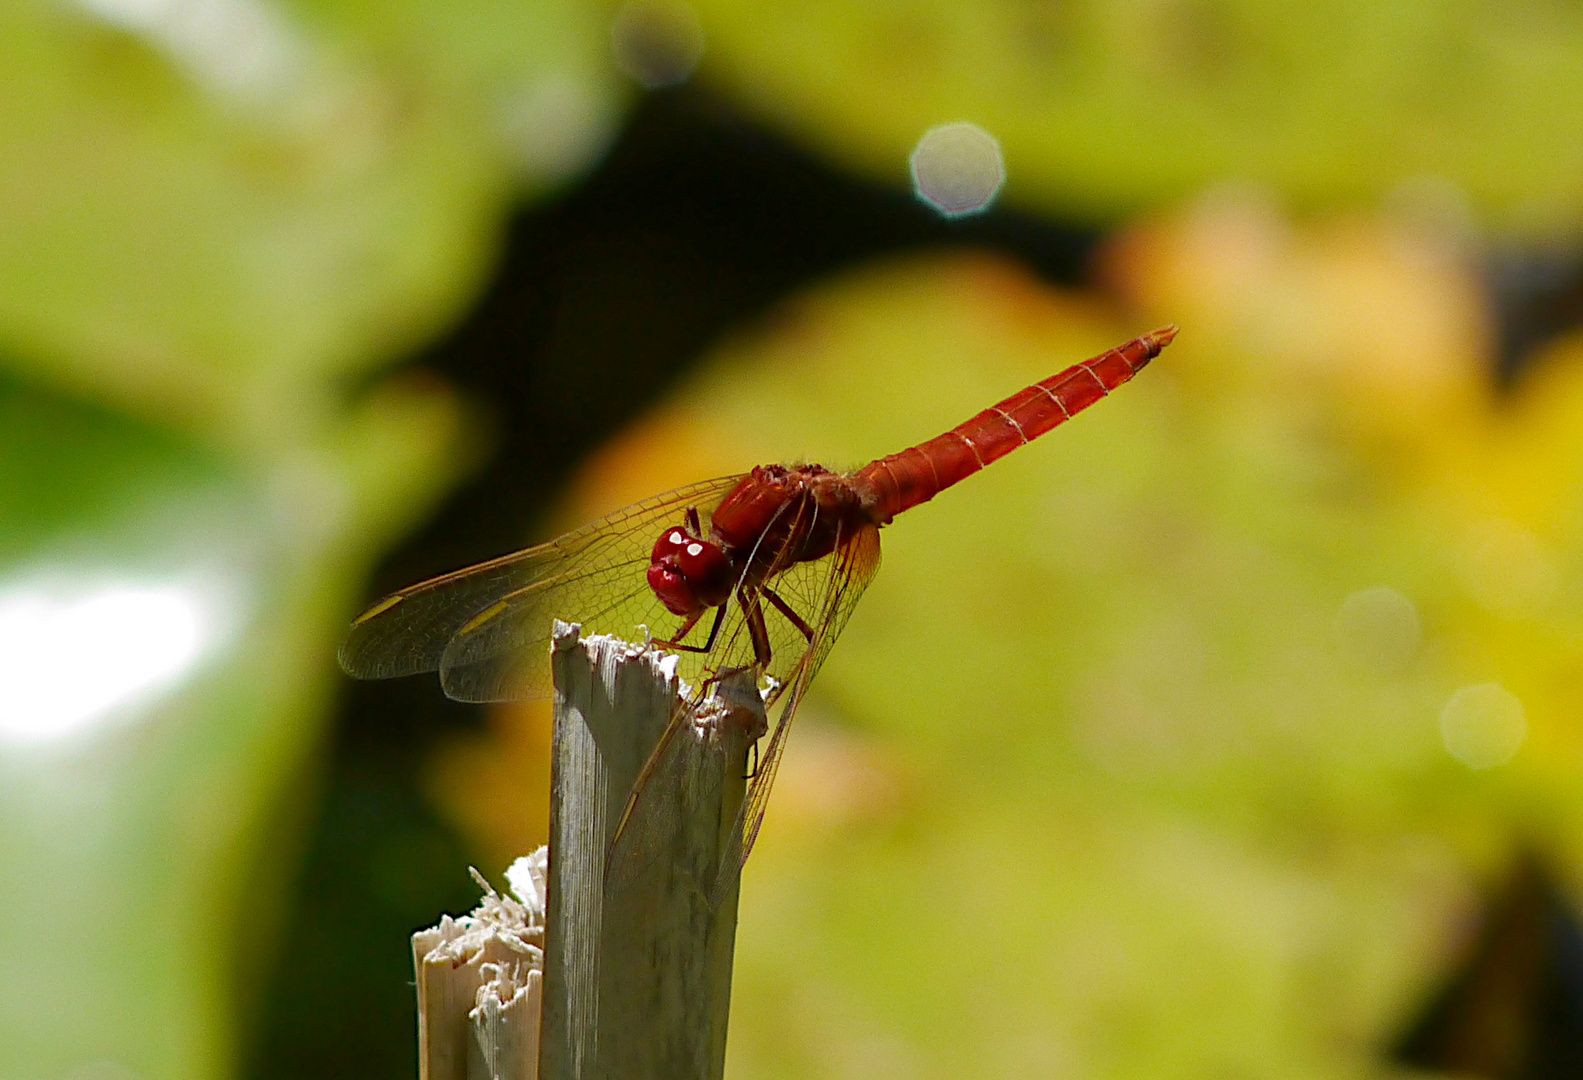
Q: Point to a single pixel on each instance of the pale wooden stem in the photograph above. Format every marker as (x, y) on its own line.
(480, 982)
(638, 983)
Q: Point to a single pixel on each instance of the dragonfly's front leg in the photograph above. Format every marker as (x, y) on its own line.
(677, 638)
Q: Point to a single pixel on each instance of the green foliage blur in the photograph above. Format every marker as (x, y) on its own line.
(1183, 743)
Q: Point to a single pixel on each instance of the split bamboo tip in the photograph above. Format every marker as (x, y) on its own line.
(480, 980)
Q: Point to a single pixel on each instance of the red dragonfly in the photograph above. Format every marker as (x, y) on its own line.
(757, 571)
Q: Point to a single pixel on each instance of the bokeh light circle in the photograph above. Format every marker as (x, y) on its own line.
(657, 42)
(1484, 725)
(1378, 629)
(958, 169)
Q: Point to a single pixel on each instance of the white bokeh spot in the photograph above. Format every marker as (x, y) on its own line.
(1484, 725)
(958, 169)
(1379, 629)
(74, 656)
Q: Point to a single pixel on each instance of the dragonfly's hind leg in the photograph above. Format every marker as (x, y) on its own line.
(720, 677)
(757, 631)
(762, 653)
(791, 616)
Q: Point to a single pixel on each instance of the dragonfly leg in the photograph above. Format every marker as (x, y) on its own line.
(757, 631)
(675, 641)
(754, 771)
(714, 631)
(791, 616)
(709, 683)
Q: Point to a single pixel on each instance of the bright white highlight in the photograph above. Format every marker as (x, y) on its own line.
(70, 660)
(958, 169)
(239, 47)
(1483, 726)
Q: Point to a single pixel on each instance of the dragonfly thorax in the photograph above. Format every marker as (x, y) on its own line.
(689, 573)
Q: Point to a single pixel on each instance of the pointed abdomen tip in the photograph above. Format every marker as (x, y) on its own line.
(1162, 337)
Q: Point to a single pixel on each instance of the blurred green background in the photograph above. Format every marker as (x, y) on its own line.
(1232, 731)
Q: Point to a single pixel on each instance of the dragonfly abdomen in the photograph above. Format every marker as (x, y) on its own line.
(916, 475)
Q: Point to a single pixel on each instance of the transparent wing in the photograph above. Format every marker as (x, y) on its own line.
(684, 775)
(822, 594)
(486, 628)
(850, 569)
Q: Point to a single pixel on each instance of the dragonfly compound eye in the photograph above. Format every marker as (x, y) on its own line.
(689, 574)
(665, 578)
(708, 570)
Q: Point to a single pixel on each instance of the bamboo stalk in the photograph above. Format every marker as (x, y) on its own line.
(637, 977)
(480, 983)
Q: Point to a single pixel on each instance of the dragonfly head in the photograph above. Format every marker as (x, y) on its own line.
(688, 573)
